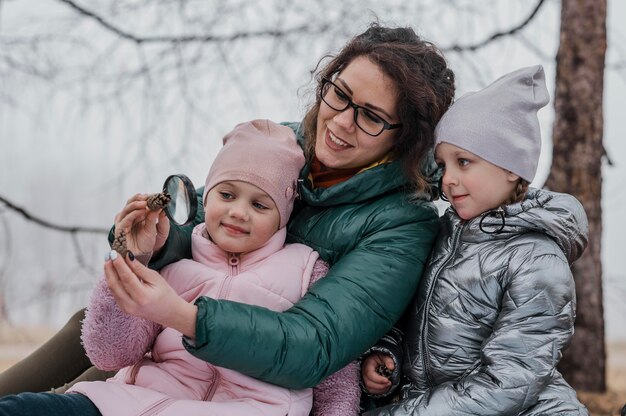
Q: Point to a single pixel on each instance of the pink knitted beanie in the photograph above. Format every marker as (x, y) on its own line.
(264, 154)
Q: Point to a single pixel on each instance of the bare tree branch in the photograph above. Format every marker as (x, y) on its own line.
(5, 244)
(203, 38)
(497, 35)
(63, 228)
(80, 258)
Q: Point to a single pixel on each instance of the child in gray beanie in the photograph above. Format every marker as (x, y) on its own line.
(496, 305)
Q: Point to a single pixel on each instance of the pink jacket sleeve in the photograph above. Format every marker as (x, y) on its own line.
(112, 338)
(339, 394)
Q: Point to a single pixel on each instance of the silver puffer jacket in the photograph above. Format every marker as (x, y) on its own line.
(493, 315)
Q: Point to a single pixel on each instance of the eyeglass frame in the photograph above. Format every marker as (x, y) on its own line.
(356, 108)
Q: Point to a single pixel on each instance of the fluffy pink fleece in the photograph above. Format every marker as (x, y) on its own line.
(340, 393)
(114, 340)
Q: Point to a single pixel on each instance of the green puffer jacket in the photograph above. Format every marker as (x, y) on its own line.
(376, 242)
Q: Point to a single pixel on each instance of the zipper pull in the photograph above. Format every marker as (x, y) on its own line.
(233, 259)
(299, 186)
(496, 213)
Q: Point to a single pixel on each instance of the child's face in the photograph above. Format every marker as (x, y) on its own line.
(471, 184)
(240, 217)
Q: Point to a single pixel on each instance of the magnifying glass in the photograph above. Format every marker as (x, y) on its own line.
(182, 206)
(179, 200)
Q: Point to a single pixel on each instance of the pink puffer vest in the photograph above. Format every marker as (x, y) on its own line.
(170, 381)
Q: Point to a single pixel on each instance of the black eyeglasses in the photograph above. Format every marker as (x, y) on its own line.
(368, 121)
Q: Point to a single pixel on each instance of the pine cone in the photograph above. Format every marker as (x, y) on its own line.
(119, 244)
(158, 201)
(384, 371)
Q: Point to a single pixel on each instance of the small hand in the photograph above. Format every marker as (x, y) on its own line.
(145, 230)
(375, 370)
(140, 291)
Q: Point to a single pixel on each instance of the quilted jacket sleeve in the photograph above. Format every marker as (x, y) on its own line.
(391, 345)
(113, 339)
(517, 361)
(361, 297)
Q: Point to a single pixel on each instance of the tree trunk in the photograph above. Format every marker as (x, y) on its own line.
(577, 169)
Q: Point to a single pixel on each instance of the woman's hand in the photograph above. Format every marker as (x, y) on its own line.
(145, 230)
(142, 292)
(374, 382)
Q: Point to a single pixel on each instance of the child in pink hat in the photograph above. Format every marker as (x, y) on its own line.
(239, 254)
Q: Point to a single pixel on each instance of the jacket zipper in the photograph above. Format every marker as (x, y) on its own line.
(233, 263)
(233, 270)
(424, 331)
(157, 407)
(213, 386)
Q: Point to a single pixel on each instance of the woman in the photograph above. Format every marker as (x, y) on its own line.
(364, 207)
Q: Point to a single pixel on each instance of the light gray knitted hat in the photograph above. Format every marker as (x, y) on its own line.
(499, 123)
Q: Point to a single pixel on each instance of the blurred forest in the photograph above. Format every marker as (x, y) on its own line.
(103, 99)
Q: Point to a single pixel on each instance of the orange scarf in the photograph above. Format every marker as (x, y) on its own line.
(325, 177)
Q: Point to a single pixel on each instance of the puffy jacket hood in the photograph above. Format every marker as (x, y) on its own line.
(559, 216)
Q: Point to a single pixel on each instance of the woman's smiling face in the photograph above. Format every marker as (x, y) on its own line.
(340, 143)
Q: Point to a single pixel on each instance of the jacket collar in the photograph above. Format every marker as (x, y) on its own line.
(559, 216)
(207, 252)
(365, 185)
